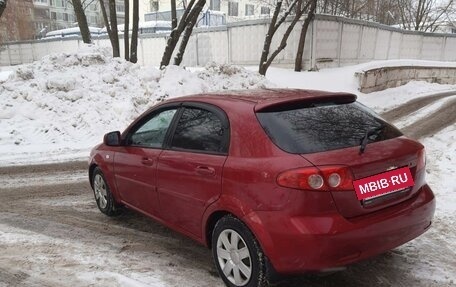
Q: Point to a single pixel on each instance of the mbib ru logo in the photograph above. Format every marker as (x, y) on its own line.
(390, 181)
(383, 183)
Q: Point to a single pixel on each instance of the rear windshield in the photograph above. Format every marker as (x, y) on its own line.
(324, 127)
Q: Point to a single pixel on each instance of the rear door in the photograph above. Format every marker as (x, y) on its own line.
(379, 157)
(136, 161)
(189, 171)
(331, 134)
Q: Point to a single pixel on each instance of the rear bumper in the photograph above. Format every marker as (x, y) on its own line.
(303, 244)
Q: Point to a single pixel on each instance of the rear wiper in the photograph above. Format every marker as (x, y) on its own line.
(365, 139)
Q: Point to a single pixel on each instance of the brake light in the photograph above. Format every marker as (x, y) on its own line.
(321, 178)
(421, 160)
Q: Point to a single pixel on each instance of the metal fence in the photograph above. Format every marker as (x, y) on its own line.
(331, 42)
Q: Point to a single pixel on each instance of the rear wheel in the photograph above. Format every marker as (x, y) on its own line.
(103, 196)
(237, 254)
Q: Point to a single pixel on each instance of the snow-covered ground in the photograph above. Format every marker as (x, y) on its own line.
(58, 108)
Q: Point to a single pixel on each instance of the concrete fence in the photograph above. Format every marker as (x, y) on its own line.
(331, 42)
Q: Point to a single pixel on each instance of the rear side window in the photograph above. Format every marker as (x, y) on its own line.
(200, 130)
(324, 127)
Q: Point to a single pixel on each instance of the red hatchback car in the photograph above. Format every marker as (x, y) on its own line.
(265, 179)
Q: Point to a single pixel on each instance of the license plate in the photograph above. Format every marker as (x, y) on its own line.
(387, 182)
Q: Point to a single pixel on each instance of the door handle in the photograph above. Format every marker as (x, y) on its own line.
(147, 161)
(205, 170)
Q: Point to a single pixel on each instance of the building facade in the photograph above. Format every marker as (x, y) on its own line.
(16, 22)
(49, 15)
(120, 10)
(234, 10)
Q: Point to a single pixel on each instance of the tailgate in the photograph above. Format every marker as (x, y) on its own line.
(378, 157)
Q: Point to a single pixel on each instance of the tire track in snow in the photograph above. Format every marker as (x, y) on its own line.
(443, 117)
(49, 167)
(43, 174)
(414, 105)
(42, 178)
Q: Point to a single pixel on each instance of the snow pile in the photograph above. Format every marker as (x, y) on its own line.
(66, 102)
(4, 74)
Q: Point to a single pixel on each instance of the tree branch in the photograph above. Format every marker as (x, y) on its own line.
(2, 6)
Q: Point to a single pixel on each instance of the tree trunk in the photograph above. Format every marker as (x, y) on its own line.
(173, 15)
(105, 18)
(134, 36)
(302, 37)
(283, 43)
(175, 35)
(114, 30)
(2, 6)
(82, 21)
(127, 30)
(266, 60)
(107, 24)
(268, 38)
(170, 45)
(188, 31)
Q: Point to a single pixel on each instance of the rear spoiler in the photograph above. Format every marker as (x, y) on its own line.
(303, 101)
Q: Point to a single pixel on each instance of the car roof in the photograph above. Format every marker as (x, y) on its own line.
(264, 99)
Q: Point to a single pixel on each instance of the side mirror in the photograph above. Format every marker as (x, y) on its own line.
(112, 139)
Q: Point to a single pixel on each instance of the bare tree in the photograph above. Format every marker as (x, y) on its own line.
(134, 36)
(419, 15)
(82, 21)
(302, 37)
(276, 22)
(127, 30)
(3, 6)
(186, 23)
(423, 15)
(111, 26)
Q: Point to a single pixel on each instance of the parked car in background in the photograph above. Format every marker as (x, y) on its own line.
(266, 179)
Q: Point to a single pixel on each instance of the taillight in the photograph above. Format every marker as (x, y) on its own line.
(321, 178)
(334, 179)
(421, 160)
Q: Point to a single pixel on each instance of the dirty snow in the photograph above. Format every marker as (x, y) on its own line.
(41, 179)
(423, 112)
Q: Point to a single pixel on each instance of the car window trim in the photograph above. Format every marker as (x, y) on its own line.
(219, 112)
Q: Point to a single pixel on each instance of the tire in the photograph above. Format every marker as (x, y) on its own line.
(103, 196)
(242, 265)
